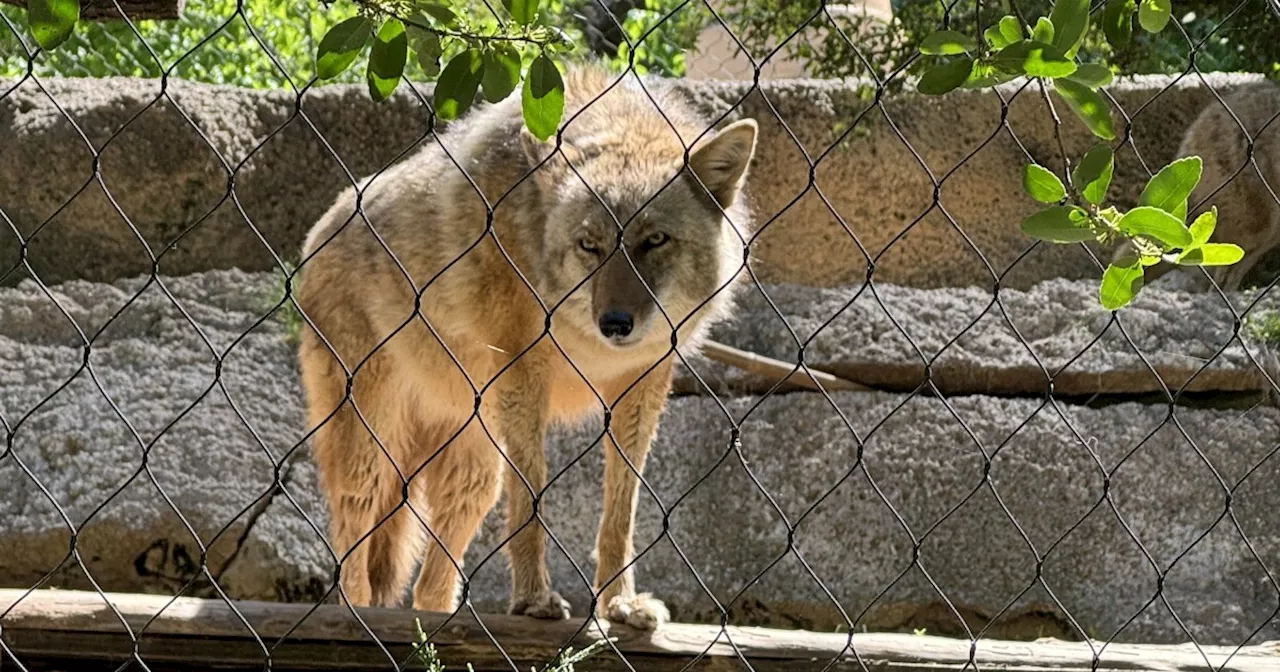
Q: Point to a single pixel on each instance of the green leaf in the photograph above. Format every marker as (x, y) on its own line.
(1171, 187)
(386, 59)
(1120, 284)
(543, 98)
(439, 12)
(1036, 59)
(1092, 75)
(458, 83)
(1212, 254)
(1092, 175)
(1011, 30)
(947, 43)
(1153, 15)
(1117, 22)
(1203, 227)
(1059, 224)
(52, 21)
(341, 45)
(427, 46)
(1070, 21)
(985, 74)
(1043, 32)
(1042, 184)
(501, 72)
(1088, 106)
(945, 77)
(1156, 224)
(995, 38)
(524, 12)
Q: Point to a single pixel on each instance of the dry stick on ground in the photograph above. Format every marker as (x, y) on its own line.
(776, 370)
(53, 629)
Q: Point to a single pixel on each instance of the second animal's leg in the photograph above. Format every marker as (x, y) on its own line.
(635, 423)
(460, 485)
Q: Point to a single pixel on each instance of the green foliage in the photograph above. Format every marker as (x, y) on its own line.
(1092, 175)
(341, 45)
(458, 84)
(387, 59)
(1230, 37)
(1042, 184)
(52, 21)
(1263, 326)
(1121, 282)
(543, 98)
(1155, 230)
(212, 43)
(662, 32)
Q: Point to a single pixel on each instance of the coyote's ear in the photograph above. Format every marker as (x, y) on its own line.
(548, 174)
(721, 162)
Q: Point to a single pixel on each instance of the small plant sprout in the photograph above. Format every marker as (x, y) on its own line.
(430, 658)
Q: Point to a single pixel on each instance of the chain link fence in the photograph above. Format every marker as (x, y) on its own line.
(913, 419)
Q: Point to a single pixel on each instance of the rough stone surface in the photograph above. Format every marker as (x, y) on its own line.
(166, 162)
(885, 336)
(139, 443)
(1111, 498)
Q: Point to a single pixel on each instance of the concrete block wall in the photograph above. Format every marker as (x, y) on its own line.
(1122, 500)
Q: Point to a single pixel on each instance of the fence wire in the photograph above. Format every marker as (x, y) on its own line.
(19, 454)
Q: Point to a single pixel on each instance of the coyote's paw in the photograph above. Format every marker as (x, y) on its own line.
(642, 611)
(542, 605)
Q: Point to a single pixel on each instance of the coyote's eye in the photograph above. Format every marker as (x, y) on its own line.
(587, 247)
(657, 239)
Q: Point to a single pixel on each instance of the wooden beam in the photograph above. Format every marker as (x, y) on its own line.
(136, 10)
(190, 634)
(776, 370)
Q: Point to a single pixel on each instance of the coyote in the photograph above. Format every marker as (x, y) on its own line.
(1248, 211)
(463, 314)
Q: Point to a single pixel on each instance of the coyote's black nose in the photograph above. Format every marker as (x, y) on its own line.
(616, 324)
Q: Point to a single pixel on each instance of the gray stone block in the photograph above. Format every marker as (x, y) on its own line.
(169, 161)
(1127, 512)
(150, 443)
(885, 336)
(881, 503)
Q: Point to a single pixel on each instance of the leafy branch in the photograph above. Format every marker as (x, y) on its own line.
(487, 58)
(487, 62)
(1155, 230)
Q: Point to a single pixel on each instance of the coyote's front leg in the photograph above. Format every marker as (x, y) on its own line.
(522, 406)
(635, 422)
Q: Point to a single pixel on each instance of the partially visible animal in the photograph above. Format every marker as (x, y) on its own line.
(490, 305)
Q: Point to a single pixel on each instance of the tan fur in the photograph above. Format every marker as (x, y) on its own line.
(441, 458)
(1248, 211)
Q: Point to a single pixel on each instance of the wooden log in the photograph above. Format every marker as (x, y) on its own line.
(136, 10)
(55, 629)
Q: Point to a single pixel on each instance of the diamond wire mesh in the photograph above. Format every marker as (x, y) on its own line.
(733, 451)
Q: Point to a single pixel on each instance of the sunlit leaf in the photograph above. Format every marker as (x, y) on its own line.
(1042, 184)
(543, 98)
(341, 45)
(458, 83)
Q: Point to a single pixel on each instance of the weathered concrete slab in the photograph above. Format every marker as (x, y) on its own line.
(168, 172)
(147, 392)
(888, 337)
(1117, 501)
